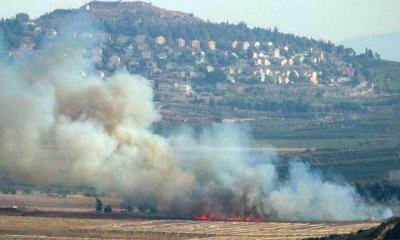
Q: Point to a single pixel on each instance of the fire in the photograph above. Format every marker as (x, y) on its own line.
(205, 217)
(237, 218)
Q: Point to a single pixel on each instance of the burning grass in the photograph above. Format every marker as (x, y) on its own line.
(68, 223)
(237, 218)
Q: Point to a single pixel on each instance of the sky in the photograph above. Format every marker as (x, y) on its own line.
(335, 20)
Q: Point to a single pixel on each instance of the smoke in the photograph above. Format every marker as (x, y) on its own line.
(305, 195)
(59, 127)
(235, 183)
(2, 49)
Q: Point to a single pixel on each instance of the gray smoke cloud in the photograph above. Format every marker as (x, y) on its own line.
(235, 182)
(57, 127)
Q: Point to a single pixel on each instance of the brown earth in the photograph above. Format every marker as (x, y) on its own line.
(55, 217)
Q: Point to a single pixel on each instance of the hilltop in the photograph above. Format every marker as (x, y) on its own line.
(219, 65)
(339, 108)
(118, 8)
(103, 10)
(179, 50)
(170, 46)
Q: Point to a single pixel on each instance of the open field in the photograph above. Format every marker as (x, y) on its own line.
(73, 217)
(44, 202)
(19, 227)
(352, 145)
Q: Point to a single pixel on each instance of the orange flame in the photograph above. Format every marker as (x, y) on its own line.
(237, 218)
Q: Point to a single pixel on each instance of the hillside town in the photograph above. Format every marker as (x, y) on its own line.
(182, 69)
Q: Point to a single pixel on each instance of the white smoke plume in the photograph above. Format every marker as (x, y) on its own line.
(57, 127)
(238, 183)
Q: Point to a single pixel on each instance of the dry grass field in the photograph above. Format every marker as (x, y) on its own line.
(30, 227)
(55, 202)
(19, 227)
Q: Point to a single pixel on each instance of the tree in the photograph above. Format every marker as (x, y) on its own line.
(108, 209)
(212, 102)
(349, 52)
(369, 54)
(11, 31)
(377, 56)
(292, 76)
(99, 205)
(22, 17)
(215, 76)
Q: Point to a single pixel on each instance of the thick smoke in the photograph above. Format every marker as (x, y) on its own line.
(237, 183)
(57, 127)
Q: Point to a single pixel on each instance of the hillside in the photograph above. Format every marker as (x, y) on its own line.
(389, 230)
(178, 49)
(294, 92)
(385, 74)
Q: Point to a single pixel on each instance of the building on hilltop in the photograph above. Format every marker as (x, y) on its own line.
(246, 45)
(181, 43)
(277, 53)
(235, 44)
(160, 40)
(212, 45)
(196, 44)
(314, 78)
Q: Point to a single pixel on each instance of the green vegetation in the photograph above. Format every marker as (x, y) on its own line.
(99, 205)
(385, 74)
(381, 191)
(108, 209)
(11, 33)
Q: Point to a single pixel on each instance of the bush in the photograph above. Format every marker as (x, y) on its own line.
(108, 209)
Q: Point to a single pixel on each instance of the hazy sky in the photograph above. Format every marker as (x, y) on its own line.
(334, 20)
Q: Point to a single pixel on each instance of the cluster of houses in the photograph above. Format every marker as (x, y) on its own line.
(270, 63)
(178, 64)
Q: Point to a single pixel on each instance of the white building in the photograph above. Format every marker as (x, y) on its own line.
(160, 40)
(277, 53)
(286, 48)
(235, 44)
(212, 45)
(196, 44)
(314, 78)
(246, 45)
(181, 43)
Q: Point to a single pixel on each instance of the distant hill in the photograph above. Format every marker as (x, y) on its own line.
(387, 45)
(133, 18)
(294, 91)
(180, 51)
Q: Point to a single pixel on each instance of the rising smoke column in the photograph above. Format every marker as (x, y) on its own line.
(57, 127)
